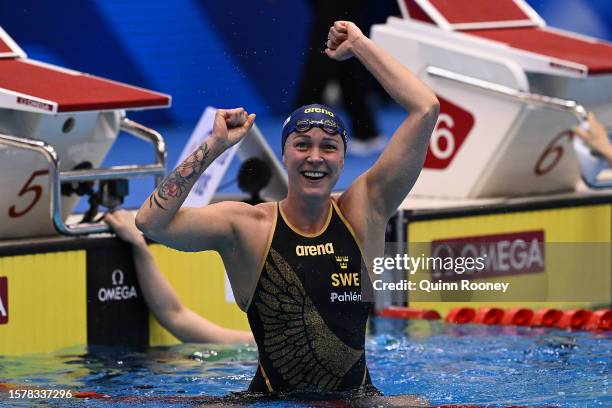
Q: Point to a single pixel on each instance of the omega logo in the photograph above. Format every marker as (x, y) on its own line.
(119, 291)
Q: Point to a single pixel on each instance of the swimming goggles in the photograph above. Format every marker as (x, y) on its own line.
(328, 126)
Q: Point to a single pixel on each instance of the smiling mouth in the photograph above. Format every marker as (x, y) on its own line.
(313, 175)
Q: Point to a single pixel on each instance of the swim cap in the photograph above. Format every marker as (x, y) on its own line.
(308, 116)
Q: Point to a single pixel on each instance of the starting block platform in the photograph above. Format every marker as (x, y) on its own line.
(56, 127)
(511, 90)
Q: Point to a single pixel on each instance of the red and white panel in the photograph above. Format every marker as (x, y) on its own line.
(39, 87)
(8, 47)
(595, 55)
(483, 141)
(469, 14)
(528, 61)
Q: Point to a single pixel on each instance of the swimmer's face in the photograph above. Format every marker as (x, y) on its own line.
(314, 160)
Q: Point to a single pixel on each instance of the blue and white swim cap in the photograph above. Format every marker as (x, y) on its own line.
(308, 116)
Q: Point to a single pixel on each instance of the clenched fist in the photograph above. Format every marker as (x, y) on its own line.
(340, 40)
(231, 125)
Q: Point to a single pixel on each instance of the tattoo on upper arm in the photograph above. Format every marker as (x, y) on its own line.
(178, 183)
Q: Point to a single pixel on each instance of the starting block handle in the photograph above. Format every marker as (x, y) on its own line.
(150, 136)
(532, 98)
(56, 178)
(158, 169)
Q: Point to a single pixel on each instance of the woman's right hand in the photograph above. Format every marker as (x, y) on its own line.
(231, 126)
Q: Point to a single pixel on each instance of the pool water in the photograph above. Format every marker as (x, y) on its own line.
(446, 364)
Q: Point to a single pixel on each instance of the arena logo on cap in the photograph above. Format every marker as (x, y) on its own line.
(319, 110)
(4, 300)
(503, 254)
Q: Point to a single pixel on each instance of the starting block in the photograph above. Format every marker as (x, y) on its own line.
(56, 127)
(511, 89)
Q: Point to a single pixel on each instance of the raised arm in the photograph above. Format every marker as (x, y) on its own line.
(191, 229)
(389, 180)
(182, 322)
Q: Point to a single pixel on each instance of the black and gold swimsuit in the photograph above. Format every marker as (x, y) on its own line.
(307, 313)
